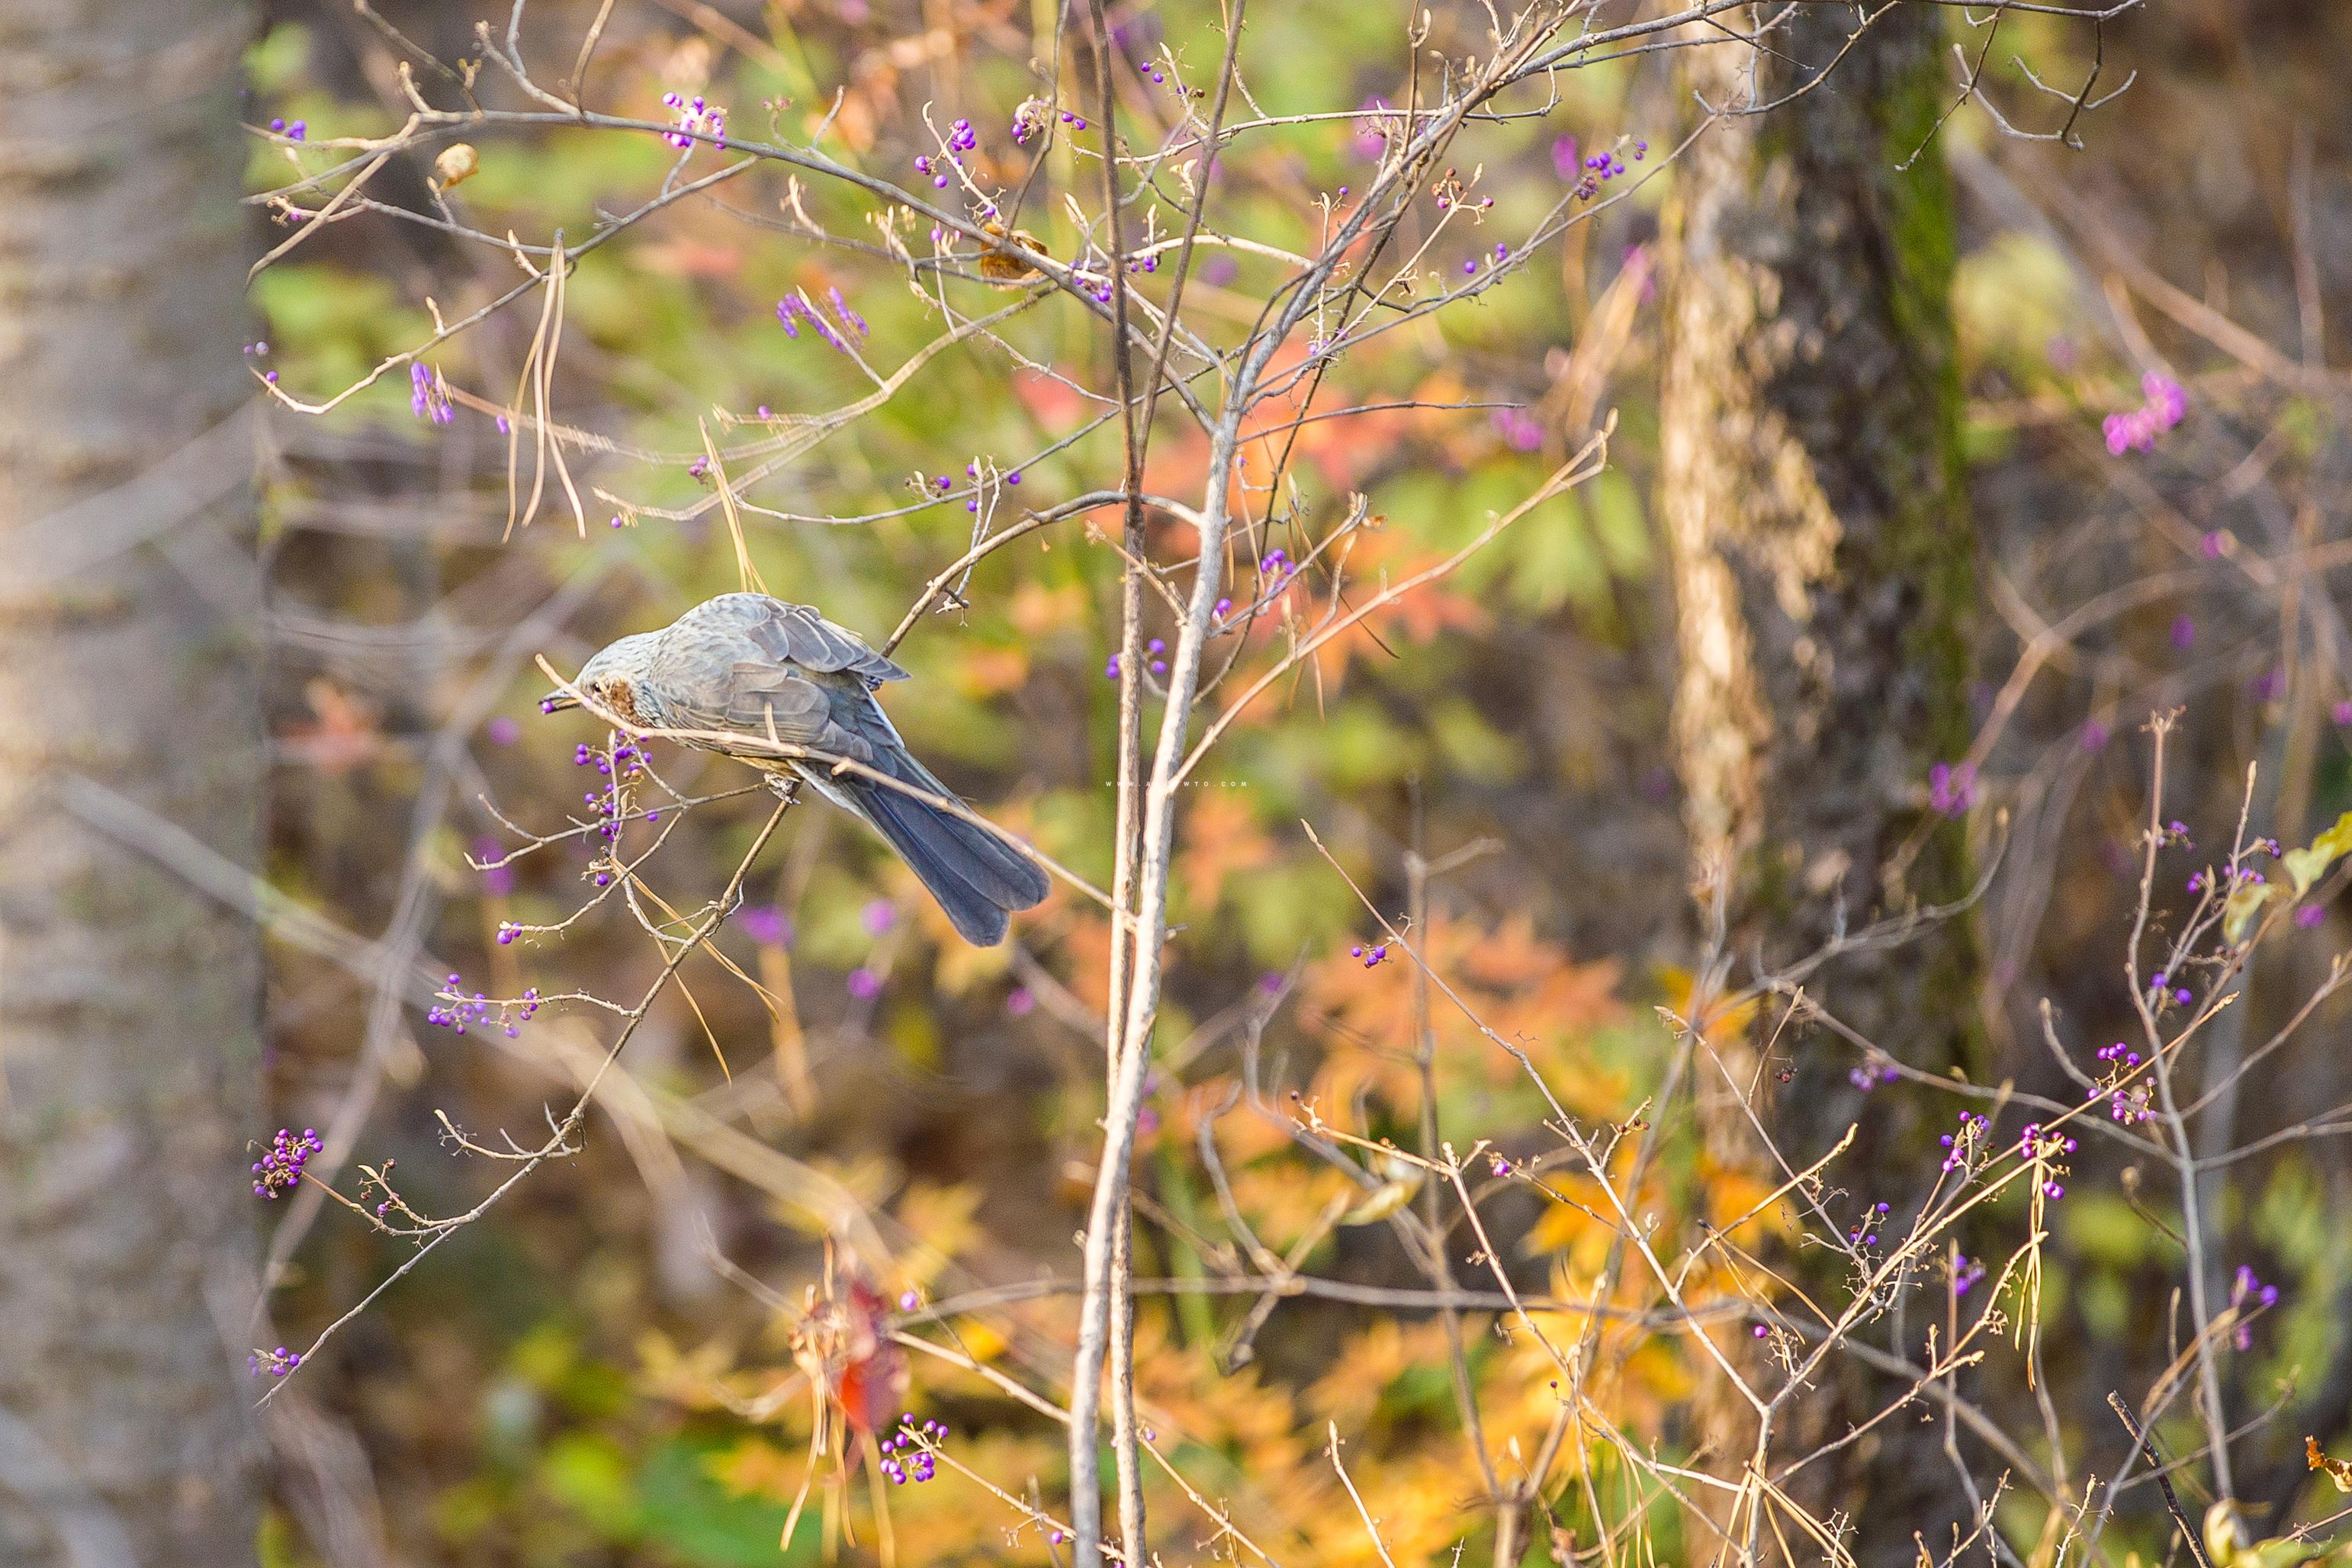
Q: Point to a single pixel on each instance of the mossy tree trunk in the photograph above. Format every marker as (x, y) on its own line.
(1822, 560)
(129, 1001)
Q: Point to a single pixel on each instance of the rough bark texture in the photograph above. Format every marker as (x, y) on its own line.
(129, 1005)
(1822, 560)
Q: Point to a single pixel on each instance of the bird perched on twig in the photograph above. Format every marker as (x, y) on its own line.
(751, 672)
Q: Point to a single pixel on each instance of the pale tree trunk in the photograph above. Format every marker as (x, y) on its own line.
(129, 1049)
(1822, 560)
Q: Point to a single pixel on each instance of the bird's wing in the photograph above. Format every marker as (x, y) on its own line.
(712, 677)
(794, 634)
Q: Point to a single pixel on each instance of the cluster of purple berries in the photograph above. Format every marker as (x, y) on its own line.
(1155, 647)
(292, 133)
(626, 755)
(1870, 1075)
(608, 805)
(2162, 990)
(2245, 1288)
(1370, 955)
(1518, 429)
(1096, 278)
(2034, 1144)
(457, 1009)
(2163, 404)
(611, 803)
(1862, 1235)
(1951, 788)
(1961, 1142)
(1966, 1271)
(694, 118)
(277, 1363)
(917, 1465)
(765, 924)
(791, 310)
(1502, 254)
(427, 398)
(1601, 167)
(2126, 1103)
(2197, 879)
(498, 872)
(281, 1169)
(972, 472)
(1449, 196)
(383, 1180)
(1033, 115)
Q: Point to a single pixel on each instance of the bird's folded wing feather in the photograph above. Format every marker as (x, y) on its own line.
(726, 682)
(795, 634)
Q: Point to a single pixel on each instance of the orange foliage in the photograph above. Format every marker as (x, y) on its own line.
(1220, 836)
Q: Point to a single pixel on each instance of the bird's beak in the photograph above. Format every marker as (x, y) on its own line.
(557, 702)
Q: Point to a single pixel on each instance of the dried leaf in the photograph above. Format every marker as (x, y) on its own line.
(455, 165)
(2338, 1470)
(999, 268)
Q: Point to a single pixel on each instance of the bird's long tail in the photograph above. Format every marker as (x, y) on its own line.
(976, 876)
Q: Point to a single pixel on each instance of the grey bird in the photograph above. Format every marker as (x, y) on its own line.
(747, 665)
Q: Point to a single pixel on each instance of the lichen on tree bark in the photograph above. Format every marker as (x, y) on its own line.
(1822, 558)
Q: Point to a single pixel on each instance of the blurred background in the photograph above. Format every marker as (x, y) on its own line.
(610, 1365)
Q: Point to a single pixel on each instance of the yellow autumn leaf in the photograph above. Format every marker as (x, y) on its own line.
(1391, 1195)
(1557, 1228)
(2305, 867)
(980, 1340)
(2238, 911)
(1722, 1024)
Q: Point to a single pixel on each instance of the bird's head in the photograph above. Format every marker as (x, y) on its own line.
(613, 680)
